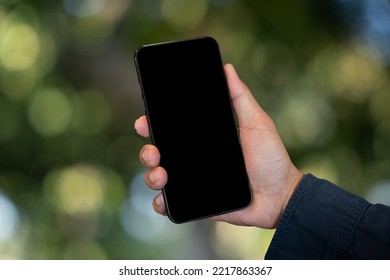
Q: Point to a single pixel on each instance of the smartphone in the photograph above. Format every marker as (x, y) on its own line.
(192, 123)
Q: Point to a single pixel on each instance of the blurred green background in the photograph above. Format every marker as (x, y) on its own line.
(71, 185)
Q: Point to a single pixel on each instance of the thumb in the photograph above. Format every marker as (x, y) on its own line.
(249, 113)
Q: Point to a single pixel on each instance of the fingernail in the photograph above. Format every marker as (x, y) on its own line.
(147, 155)
(159, 200)
(153, 177)
(135, 124)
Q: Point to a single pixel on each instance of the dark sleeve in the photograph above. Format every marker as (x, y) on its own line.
(323, 221)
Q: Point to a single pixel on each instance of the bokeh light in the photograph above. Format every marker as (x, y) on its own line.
(379, 193)
(77, 190)
(50, 111)
(158, 232)
(84, 8)
(27, 52)
(241, 242)
(297, 128)
(9, 218)
(352, 72)
(138, 210)
(19, 47)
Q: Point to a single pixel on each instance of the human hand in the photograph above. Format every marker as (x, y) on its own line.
(272, 175)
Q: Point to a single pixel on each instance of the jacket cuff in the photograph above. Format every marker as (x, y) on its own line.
(318, 222)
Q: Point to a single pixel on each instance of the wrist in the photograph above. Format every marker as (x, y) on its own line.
(291, 185)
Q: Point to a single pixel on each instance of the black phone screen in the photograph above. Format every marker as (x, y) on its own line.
(192, 123)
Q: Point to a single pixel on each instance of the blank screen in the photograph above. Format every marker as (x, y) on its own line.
(191, 120)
